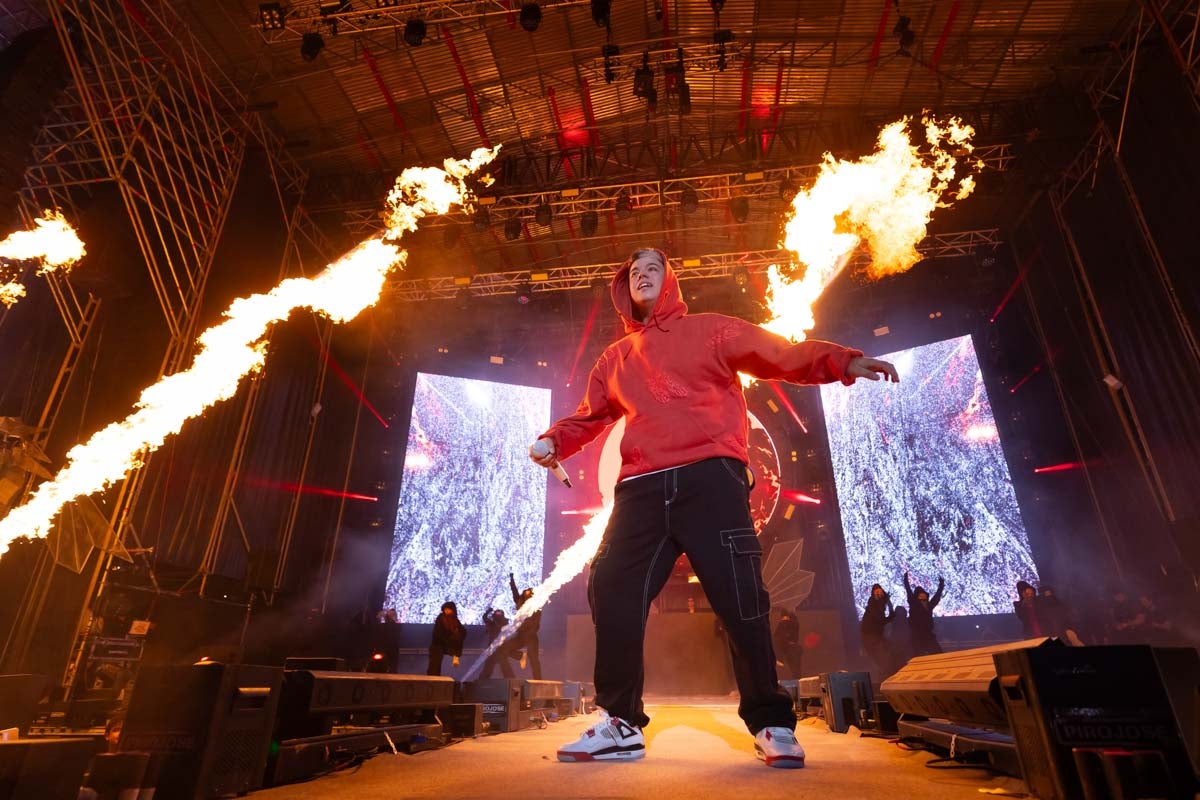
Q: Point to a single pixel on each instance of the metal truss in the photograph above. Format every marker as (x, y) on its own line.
(717, 265)
(770, 184)
(16, 18)
(1177, 22)
(341, 19)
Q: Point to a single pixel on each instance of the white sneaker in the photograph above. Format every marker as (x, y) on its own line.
(610, 739)
(778, 748)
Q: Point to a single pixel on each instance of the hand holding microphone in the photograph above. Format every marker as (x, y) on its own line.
(542, 453)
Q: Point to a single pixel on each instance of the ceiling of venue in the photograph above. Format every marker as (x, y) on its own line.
(738, 87)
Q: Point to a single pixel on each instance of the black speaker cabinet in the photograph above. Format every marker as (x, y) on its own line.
(19, 696)
(462, 720)
(326, 663)
(845, 696)
(1093, 722)
(211, 721)
(45, 769)
(501, 701)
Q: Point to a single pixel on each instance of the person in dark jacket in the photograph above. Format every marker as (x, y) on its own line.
(899, 639)
(448, 637)
(878, 613)
(788, 647)
(495, 621)
(1027, 610)
(527, 636)
(920, 617)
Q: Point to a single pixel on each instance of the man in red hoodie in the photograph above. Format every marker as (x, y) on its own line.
(684, 488)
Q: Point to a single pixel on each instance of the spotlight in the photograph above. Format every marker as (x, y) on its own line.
(524, 293)
(600, 288)
(543, 213)
(624, 207)
(589, 223)
(311, 45)
(386, 3)
(414, 32)
(531, 17)
(741, 277)
(602, 13)
(610, 51)
(643, 81)
(512, 229)
(330, 7)
(904, 35)
(739, 207)
(481, 220)
(450, 236)
(788, 189)
(717, 5)
(689, 201)
(271, 17)
(721, 38)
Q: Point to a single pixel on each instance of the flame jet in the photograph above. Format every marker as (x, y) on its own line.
(235, 347)
(52, 239)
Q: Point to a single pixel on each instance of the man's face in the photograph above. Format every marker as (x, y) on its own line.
(447, 611)
(645, 281)
(1027, 591)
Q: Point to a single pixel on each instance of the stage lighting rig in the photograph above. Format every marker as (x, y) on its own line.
(905, 36)
(643, 82)
(311, 45)
(589, 223)
(721, 38)
(271, 16)
(512, 228)
(414, 32)
(739, 207)
(530, 17)
(481, 220)
(543, 214)
(610, 51)
(624, 207)
(602, 13)
(689, 201)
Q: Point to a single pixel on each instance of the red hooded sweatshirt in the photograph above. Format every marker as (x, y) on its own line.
(675, 380)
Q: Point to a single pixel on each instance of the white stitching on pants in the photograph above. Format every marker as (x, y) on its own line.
(646, 583)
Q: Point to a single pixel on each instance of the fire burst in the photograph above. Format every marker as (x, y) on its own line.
(52, 239)
(236, 347)
(884, 200)
(570, 562)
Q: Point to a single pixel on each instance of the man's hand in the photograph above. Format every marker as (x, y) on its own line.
(543, 453)
(871, 369)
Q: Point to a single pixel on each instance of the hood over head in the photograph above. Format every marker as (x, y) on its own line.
(669, 306)
(450, 604)
(1022, 586)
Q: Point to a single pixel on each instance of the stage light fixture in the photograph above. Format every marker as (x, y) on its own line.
(602, 13)
(721, 38)
(328, 8)
(543, 214)
(311, 45)
(741, 277)
(481, 220)
(600, 288)
(271, 16)
(610, 51)
(531, 17)
(624, 207)
(386, 3)
(450, 236)
(414, 32)
(589, 223)
(739, 207)
(717, 5)
(905, 35)
(788, 189)
(512, 229)
(689, 201)
(643, 81)
(524, 293)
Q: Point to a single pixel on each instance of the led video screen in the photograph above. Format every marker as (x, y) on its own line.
(472, 505)
(923, 484)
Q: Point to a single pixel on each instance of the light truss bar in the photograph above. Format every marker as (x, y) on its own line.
(305, 16)
(647, 194)
(717, 265)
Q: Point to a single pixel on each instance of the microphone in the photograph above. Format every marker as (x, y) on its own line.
(540, 449)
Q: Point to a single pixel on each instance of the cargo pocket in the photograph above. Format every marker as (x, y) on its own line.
(745, 558)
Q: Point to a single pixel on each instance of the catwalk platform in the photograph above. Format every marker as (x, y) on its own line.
(695, 748)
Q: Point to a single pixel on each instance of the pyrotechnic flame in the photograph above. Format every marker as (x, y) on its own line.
(570, 562)
(52, 240)
(235, 347)
(884, 200)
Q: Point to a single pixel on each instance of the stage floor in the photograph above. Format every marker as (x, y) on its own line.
(695, 748)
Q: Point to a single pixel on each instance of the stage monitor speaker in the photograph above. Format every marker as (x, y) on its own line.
(212, 721)
(1093, 722)
(45, 769)
(1180, 671)
(462, 720)
(19, 697)
(313, 699)
(959, 686)
(501, 701)
(846, 698)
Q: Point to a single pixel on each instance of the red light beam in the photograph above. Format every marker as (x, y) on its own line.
(1024, 380)
(793, 496)
(320, 491)
(346, 379)
(1063, 467)
(783, 398)
(587, 331)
